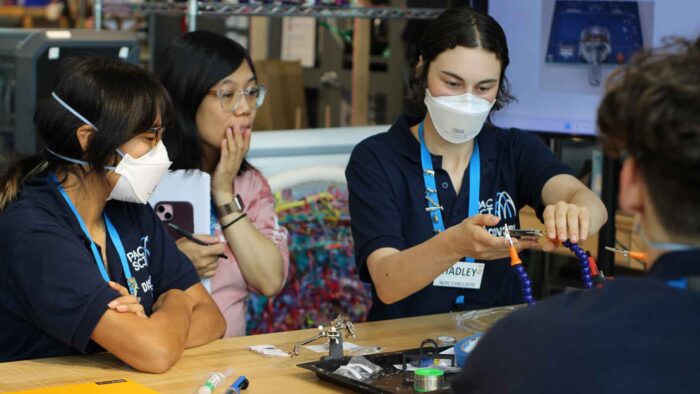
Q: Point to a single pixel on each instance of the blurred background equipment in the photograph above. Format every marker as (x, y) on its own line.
(306, 171)
(29, 61)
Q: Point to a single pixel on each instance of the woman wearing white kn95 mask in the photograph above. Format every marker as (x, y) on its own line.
(430, 198)
(92, 267)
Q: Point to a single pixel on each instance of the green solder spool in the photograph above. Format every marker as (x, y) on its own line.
(427, 379)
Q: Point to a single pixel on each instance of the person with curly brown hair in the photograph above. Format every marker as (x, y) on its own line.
(631, 335)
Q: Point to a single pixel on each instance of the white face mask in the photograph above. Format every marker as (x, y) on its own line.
(460, 118)
(138, 178)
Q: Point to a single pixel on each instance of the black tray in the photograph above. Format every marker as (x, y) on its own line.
(388, 381)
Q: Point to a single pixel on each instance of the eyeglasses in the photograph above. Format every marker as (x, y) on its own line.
(230, 99)
(157, 132)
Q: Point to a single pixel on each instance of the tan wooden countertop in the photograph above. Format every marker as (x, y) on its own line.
(266, 374)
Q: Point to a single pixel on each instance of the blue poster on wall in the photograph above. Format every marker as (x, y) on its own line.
(594, 32)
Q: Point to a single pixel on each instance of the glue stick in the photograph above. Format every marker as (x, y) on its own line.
(214, 380)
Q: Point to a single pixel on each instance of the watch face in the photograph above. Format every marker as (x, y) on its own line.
(234, 206)
(239, 202)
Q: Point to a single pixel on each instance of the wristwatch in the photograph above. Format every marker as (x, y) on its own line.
(234, 206)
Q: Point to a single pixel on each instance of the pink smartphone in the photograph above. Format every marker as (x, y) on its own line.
(180, 213)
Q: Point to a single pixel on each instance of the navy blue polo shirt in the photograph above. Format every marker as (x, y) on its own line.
(387, 206)
(51, 292)
(631, 336)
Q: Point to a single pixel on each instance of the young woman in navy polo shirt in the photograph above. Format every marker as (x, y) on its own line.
(85, 264)
(433, 190)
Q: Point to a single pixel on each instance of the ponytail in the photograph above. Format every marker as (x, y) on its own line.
(12, 179)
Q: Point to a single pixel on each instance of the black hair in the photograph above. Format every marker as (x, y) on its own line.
(121, 100)
(468, 28)
(194, 63)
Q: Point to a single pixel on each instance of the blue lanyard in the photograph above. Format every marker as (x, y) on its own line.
(680, 284)
(431, 195)
(113, 235)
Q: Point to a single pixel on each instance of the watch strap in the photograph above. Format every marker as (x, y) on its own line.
(236, 205)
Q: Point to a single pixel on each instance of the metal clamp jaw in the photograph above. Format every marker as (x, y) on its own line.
(334, 333)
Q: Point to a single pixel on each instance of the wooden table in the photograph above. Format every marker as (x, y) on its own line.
(266, 374)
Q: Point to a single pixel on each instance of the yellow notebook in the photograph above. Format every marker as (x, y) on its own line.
(117, 386)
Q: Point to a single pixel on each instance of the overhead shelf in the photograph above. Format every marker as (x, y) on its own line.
(360, 15)
(210, 8)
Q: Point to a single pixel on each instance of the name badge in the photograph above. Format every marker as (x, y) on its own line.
(462, 275)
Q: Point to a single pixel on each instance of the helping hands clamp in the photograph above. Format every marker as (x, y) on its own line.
(334, 335)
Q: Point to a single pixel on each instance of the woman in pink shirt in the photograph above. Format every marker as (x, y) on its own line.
(212, 82)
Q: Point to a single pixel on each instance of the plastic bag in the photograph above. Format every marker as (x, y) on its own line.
(358, 368)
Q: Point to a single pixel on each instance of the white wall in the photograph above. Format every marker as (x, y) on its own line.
(273, 152)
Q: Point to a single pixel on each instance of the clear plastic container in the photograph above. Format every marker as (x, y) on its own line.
(481, 320)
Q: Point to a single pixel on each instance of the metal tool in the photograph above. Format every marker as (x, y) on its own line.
(334, 335)
(526, 232)
(641, 256)
(506, 233)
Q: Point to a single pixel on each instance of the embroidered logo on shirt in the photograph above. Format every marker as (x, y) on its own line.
(138, 258)
(147, 286)
(504, 207)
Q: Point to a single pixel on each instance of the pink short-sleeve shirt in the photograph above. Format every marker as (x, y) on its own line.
(229, 288)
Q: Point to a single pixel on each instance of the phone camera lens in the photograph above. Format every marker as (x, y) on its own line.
(161, 208)
(168, 215)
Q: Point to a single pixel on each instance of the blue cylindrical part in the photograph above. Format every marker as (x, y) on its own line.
(582, 257)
